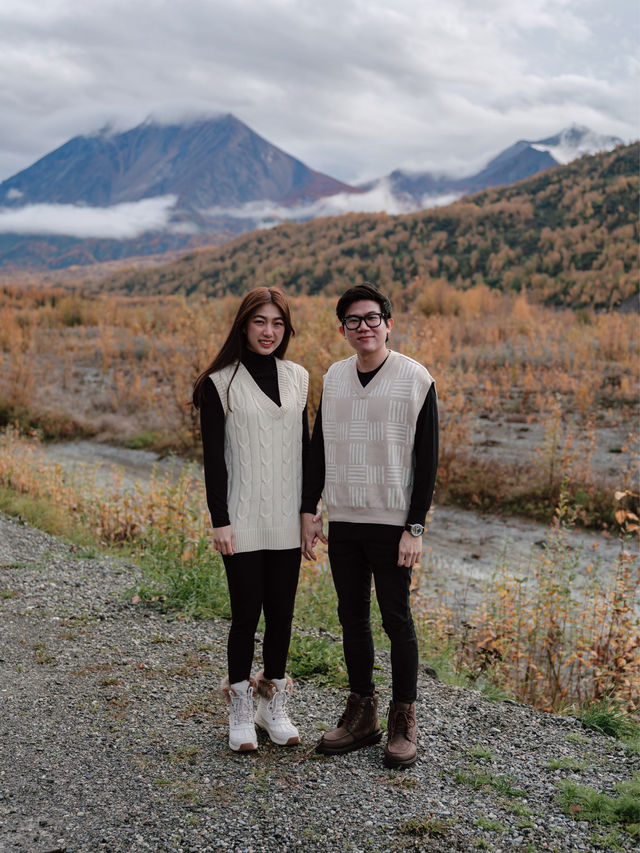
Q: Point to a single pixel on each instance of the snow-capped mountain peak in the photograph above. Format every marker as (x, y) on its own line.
(575, 141)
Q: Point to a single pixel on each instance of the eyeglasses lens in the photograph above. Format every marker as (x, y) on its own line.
(371, 320)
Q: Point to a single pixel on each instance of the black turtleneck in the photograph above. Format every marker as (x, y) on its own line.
(264, 371)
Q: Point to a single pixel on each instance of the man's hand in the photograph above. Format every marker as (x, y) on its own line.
(224, 540)
(409, 549)
(311, 532)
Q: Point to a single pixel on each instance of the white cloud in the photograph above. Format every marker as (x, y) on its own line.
(355, 88)
(120, 222)
(379, 198)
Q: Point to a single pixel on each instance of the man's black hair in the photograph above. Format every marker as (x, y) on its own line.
(363, 291)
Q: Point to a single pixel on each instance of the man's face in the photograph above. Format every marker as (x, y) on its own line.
(366, 340)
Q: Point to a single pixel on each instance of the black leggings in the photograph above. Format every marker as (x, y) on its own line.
(261, 580)
(353, 562)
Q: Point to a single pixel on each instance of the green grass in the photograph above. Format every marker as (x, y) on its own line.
(519, 809)
(566, 763)
(317, 657)
(574, 737)
(609, 718)
(143, 440)
(41, 655)
(428, 827)
(610, 841)
(85, 554)
(480, 752)
(196, 586)
(620, 810)
(44, 515)
(482, 780)
(491, 825)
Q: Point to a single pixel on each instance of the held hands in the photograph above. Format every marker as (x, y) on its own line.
(311, 532)
(224, 540)
(409, 549)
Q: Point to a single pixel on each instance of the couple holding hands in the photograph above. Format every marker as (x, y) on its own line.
(373, 456)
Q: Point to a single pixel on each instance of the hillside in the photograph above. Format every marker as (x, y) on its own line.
(569, 235)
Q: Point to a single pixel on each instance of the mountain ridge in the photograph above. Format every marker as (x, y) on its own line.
(159, 188)
(189, 160)
(515, 163)
(568, 235)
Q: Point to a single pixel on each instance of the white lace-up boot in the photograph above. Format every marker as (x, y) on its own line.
(242, 732)
(272, 710)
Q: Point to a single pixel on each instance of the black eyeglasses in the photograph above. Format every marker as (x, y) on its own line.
(352, 321)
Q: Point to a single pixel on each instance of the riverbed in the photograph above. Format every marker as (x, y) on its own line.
(463, 548)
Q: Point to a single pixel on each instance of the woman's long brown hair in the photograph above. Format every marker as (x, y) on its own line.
(231, 349)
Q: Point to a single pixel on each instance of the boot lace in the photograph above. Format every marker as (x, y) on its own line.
(350, 712)
(277, 706)
(242, 708)
(401, 723)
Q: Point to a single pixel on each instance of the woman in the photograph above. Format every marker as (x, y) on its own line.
(253, 420)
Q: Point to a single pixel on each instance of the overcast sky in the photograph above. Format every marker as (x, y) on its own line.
(354, 88)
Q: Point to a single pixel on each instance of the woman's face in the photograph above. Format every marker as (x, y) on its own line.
(265, 329)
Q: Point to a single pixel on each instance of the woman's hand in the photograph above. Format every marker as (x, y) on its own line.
(224, 540)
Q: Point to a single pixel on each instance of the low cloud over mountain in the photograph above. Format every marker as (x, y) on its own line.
(119, 221)
(519, 161)
(208, 180)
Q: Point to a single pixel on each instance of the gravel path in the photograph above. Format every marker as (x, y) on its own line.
(113, 737)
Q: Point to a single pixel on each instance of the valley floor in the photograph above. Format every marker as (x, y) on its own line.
(114, 738)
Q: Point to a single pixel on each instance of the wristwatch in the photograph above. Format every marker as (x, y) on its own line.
(414, 529)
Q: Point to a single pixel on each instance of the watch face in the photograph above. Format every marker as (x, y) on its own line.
(416, 530)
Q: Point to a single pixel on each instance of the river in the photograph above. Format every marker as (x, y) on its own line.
(463, 548)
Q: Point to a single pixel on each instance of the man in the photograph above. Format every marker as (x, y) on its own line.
(374, 453)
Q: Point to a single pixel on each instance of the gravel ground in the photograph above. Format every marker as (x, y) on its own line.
(113, 737)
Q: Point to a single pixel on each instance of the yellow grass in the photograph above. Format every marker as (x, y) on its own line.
(540, 643)
(123, 368)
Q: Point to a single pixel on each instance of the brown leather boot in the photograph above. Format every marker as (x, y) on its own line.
(357, 727)
(402, 736)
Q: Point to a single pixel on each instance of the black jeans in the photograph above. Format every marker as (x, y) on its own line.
(261, 580)
(354, 560)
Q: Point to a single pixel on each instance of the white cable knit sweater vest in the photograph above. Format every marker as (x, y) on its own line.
(263, 454)
(368, 439)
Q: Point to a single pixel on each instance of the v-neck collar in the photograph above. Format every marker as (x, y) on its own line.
(365, 390)
(264, 400)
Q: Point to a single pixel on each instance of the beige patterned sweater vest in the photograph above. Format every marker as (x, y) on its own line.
(368, 439)
(263, 454)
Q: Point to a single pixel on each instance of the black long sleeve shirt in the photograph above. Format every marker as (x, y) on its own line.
(425, 454)
(264, 371)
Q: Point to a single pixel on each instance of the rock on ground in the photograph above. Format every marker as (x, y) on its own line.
(113, 737)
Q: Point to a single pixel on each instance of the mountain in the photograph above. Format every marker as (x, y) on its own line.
(161, 188)
(568, 235)
(519, 161)
(148, 190)
(205, 163)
